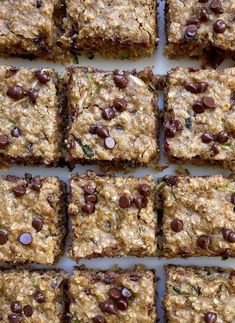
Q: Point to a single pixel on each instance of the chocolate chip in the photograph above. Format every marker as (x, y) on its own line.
(204, 16)
(226, 232)
(170, 131)
(215, 149)
(15, 307)
(108, 307)
(98, 319)
(198, 107)
(11, 178)
(126, 293)
(216, 6)
(222, 137)
(37, 223)
(177, 124)
(122, 304)
(19, 190)
(227, 252)
(202, 1)
(108, 113)
(177, 225)
(36, 184)
(92, 130)
(88, 208)
(124, 202)
(16, 92)
(109, 279)
(208, 102)
(3, 141)
(3, 237)
(109, 143)
(120, 80)
(193, 69)
(192, 87)
(120, 104)
(191, 31)
(91, 198)
(15, 132)
(206, 137)
(102, 131)
(219, 26)
(39, 297)
(14, 318)
(28, 177)
(42, 76)
(170, 180)
(89, 189)
(210, 317)
(1, 317)
(203, 242)
(114, 293)
(38, 3)
(202, 86)
(144, 189)
(87, 291)
(231, 237)
(193, 20)
(33, 95)
(25, 238)
(28, 310)
(233, 198)
(139, 201)
(134, 277)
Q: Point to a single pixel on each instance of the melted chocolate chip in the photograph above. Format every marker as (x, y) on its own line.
(139, 201)
(25, 238)
(120, 80)
(120, 104)
(19, 190)
(33, 95)
(1, 317)
(115, 293)
(102, 131)
(206, 137)
(203, 242)
(3, 238)
(42, 76)
(109, 142)
(37, 223)
(28, 310)
(208, 102)
(126, 293)
(122, 304)
(98, 319)
(170, 180)
(222, 137)
(193, 20)
(16, 92)
(3, 141)
(177, 225)
(210, 317)
(92, 130)
(215, 149)
(39, 297)
(89, 189)
(36, 184)
(233, 198)
(204, 16)
(108, 113)
(198, 107)
(216, 6)
(16, 132)
(14, 318)
(88, 208)
(124, 202)
(15, 307)
(202, 86)
(191, 31)
(91, 198)
(170, 131)
(39, 3)
(219, 26)
(108, 307)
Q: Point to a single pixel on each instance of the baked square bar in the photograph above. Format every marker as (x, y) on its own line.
(125, 29)
(32, 219)
(199, 294)
(30, 116)
(112, 216)
(198, 216)
(32, 296)
(195, 28)
(113, 117)
(111, 296)
(200, 116)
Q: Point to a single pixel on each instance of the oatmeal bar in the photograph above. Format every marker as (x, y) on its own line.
(200, 116)
(32, 296)
(199, 294)
(30, 116)
(32, 219)
(196, 27)
(117, 29)
(112, 216)
(113, 117)
(198, 216)
(112, 296)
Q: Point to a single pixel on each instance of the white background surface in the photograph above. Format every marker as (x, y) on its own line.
(161, 65)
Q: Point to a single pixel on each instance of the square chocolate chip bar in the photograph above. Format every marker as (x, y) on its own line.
(113, 117)
(32, 219)
(199, 27)
(198, 216)
(199, 294)
(117, 29)
(115, 295)
(200, 116)
(32, 296)
(112, 216)
(30, 116)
